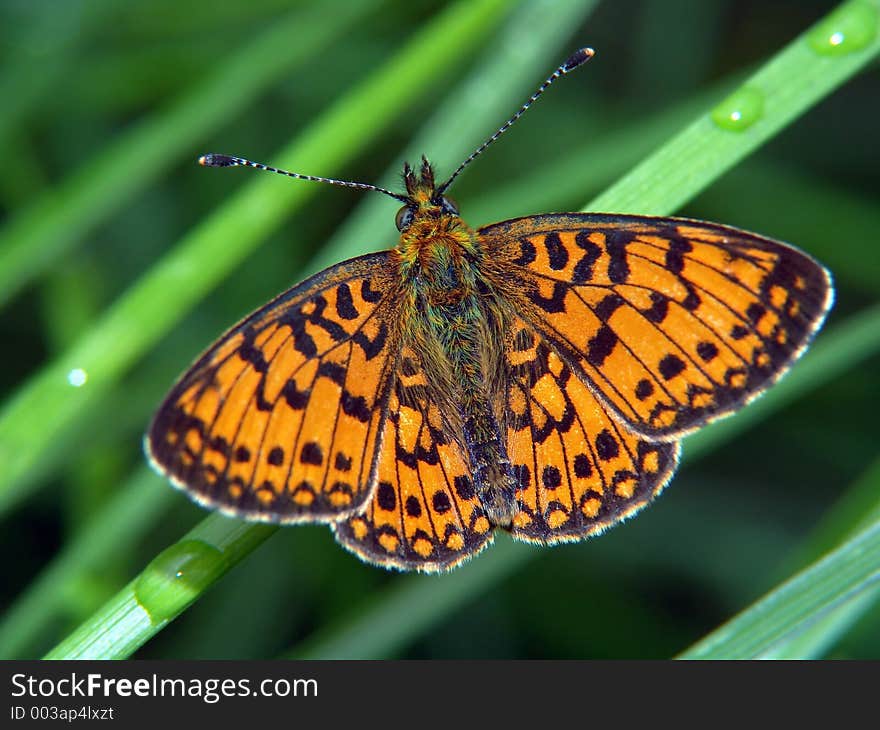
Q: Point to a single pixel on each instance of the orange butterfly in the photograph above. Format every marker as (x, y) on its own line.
(534, 375)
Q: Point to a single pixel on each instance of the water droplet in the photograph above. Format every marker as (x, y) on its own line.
(849, 28)
(175, 578)
(740, 110)
(77, 377)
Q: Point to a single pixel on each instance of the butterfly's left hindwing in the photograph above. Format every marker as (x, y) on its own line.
(280, 420)
(425, 514)
(672, 322)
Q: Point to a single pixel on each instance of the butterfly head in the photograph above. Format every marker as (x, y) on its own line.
(424, 200)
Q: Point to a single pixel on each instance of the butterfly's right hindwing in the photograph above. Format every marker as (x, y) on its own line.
(281, 419)
(578, 470)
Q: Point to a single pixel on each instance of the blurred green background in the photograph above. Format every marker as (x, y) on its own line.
(107, 106)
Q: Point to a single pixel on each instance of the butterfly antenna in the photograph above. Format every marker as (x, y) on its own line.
(215, 160)
(577, 58)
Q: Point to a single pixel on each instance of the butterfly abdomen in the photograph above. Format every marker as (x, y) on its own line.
(457, 330)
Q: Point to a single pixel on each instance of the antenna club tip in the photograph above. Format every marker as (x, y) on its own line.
(580, 56)
(215, 160)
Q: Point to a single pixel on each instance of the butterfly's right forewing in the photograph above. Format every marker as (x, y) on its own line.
(672, 322)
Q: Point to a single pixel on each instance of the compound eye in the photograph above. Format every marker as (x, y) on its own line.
(448, 205)
(404, 218)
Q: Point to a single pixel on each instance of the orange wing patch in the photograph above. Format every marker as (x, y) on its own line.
(577, 469)
(280, 420)
(424, 514)
(674, 322)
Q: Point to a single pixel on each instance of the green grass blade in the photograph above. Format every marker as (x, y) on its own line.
(821, 633)
(840, 577)
(39, 234)
(594, 164)
(121, 523)
(47, 404)
(857, 509)
(797, 77)
(170, 583)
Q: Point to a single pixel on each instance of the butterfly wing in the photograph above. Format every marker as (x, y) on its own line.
(424, 514)
(578, 470)
(673, 322)
(281, 418)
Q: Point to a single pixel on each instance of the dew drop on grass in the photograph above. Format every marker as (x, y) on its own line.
(849, 28)
(740, 110)
(77, 377)
(176, 576)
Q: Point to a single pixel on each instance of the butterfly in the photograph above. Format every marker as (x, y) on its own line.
(534, 375)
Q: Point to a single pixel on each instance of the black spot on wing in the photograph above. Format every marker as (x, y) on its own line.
(464, 487)
(553, 304)
(527, 253)
(333, 371)
(440, 502)
(755, 311)
(522, 476)
(344, 303)
(413, 508)
(601, 345)
(692, 300)
(606, 445)
(659, 308)
(551, 477)
(670, 366)
(343, 462)
(678, 247)
(355, 406)
(608, 306)
(644, 388)
(583, 269)
(251, 354)
(707, 351)
(275, 457)
(302, 340)
(616, 242)
(556, 252)
(372, 347)
(386, 497)
(312, 453)
(368, 294)
(296, 399)
(582, 466)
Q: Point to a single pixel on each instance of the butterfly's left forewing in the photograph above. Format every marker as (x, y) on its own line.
(281, 419)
